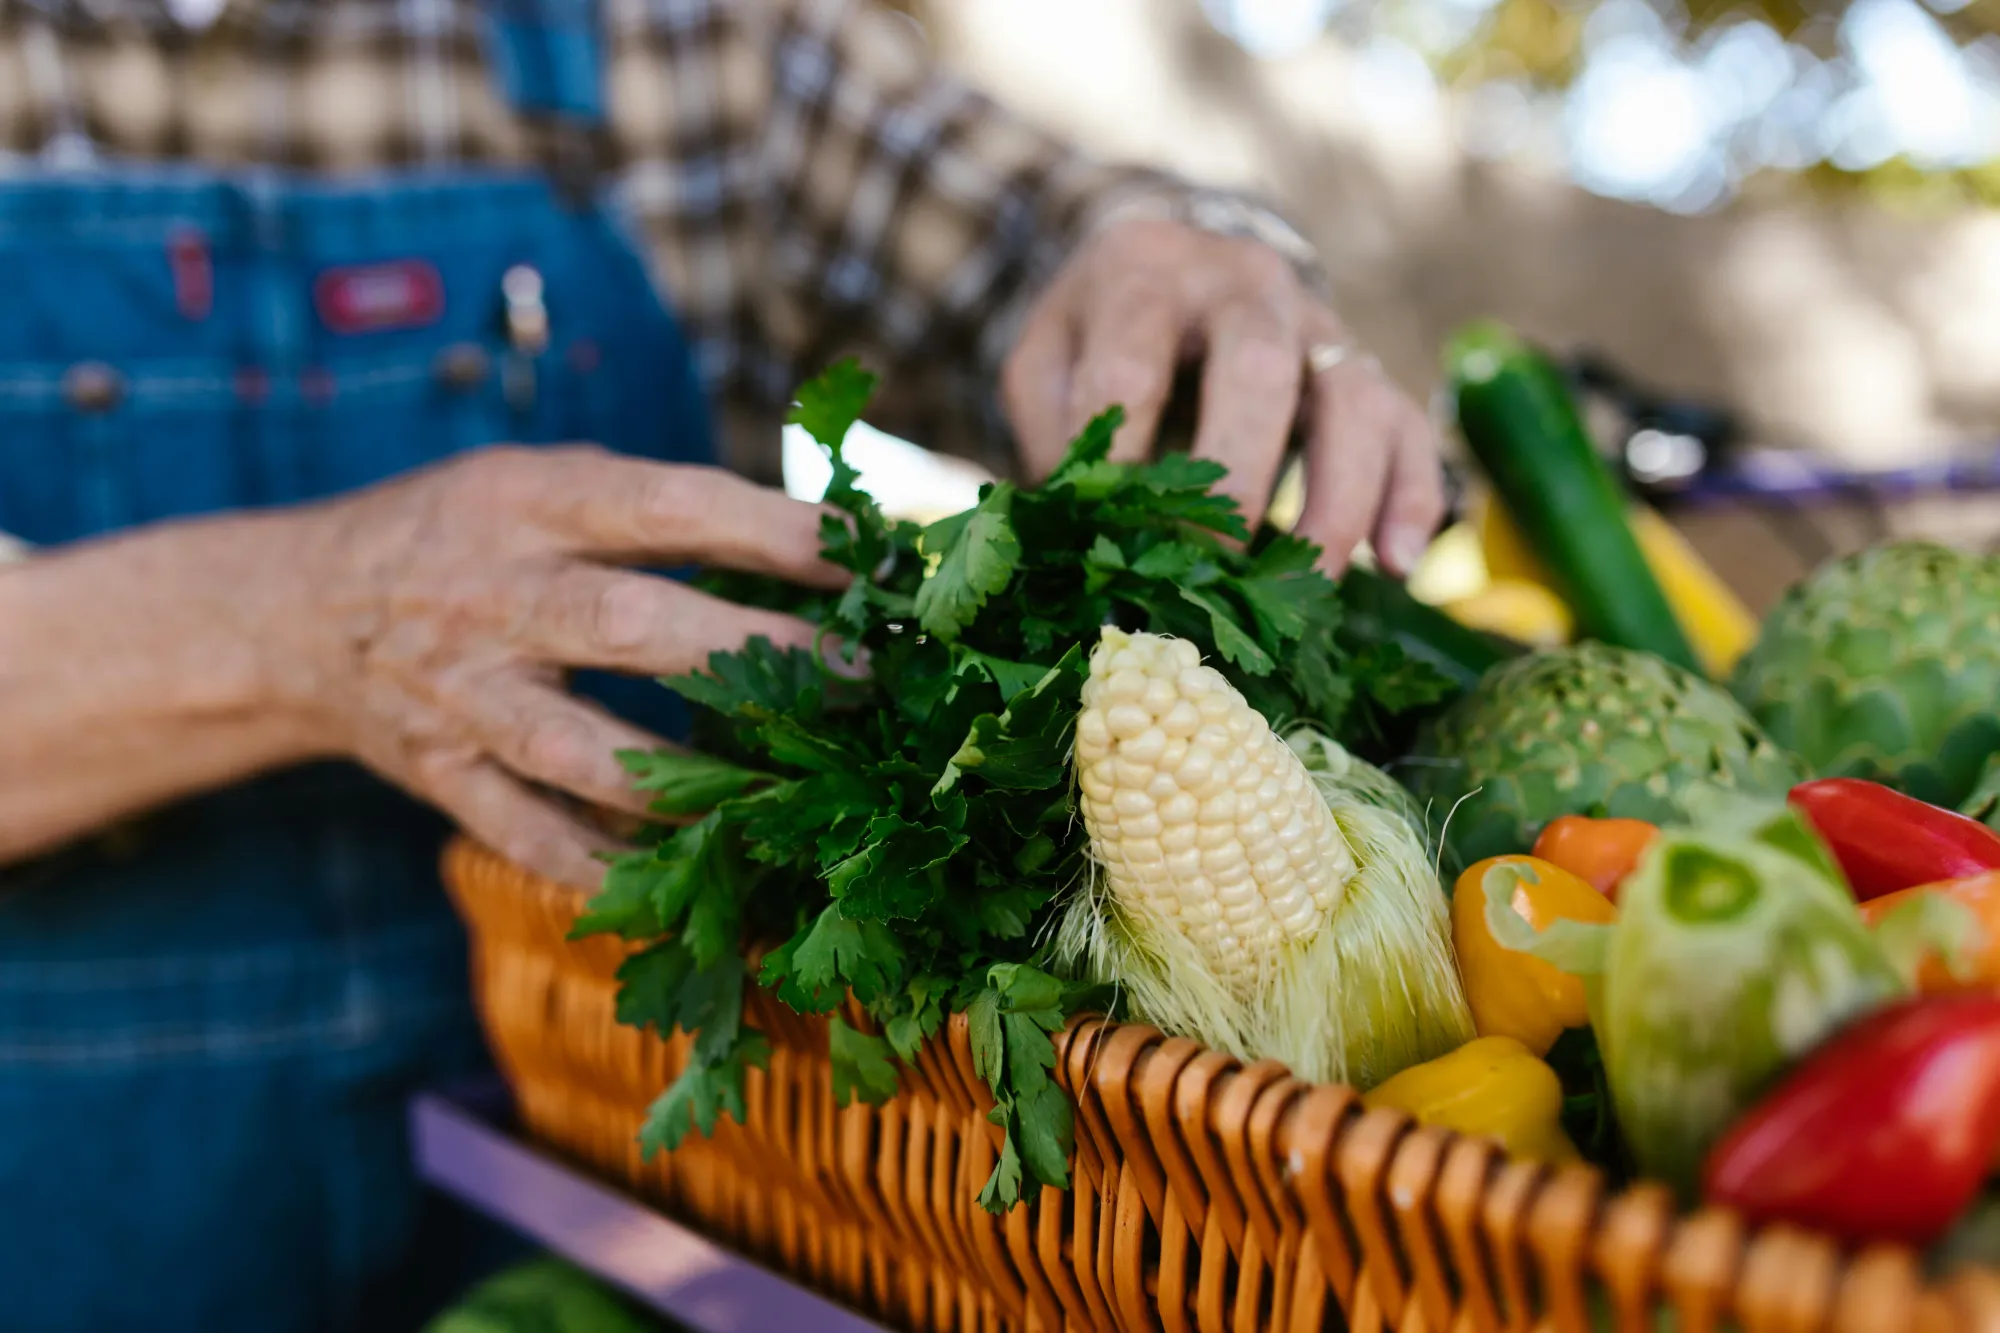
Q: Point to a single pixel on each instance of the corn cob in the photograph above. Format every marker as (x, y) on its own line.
(1201, 815)
(1245, 897)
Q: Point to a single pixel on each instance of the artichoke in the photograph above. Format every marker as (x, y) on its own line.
(1885, 665)
(1584, 730)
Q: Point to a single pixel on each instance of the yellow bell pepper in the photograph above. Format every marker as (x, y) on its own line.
(1491, 1087)
(1513, 994)
(1718, 625)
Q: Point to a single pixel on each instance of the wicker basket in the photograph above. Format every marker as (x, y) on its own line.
(1209, 1194)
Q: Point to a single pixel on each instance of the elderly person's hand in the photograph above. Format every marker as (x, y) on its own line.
(444, 608)
(1141, 297)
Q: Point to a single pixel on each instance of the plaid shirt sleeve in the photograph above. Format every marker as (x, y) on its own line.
(881, 207)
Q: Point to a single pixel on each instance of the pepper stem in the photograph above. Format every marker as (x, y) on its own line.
(1704, 888)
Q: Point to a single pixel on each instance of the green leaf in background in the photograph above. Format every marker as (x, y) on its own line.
(1984, 803)
(543, 1296)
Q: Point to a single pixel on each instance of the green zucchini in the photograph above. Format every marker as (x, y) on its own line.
(1521, 424)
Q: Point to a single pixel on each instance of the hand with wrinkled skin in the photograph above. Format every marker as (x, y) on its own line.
(422, 627)
(1141, 297)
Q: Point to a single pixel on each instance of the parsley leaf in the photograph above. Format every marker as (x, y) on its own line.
(890, 877)
(861, 1065)
(702, 1094)
(682, 782)
(862, 954)
(624, 905)
(1230, 640)
(829, 405)
(979, 556)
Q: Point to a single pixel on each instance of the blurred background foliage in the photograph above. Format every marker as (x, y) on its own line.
(1782, 209)
(1682, 103)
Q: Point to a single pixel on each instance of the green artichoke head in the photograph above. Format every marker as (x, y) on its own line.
(1885, 665)
(1585, 730)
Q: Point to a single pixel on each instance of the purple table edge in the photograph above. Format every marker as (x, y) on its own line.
(461, 1148)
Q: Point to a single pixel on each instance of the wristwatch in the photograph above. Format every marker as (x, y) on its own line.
(1220, 213)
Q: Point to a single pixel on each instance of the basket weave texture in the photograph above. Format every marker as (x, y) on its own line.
(1209, 1194)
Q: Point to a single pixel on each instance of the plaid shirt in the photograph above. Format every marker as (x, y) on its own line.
(809, 183)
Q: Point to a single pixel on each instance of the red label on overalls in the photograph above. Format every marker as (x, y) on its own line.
(194, 273)
(373, 298)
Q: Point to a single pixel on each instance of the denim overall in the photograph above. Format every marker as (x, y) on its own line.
(210, 1026)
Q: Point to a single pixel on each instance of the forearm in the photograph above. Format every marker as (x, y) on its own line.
(134, 671)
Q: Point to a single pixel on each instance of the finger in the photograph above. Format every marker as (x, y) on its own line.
(501, 812)
(1414, 505)
(634, 508)
(1130, 344)
(586, 615)
(1250, 389)
(1034, 383)
(1347, 464)
(539, 733)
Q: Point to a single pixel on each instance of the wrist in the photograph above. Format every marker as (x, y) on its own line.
(193, 625)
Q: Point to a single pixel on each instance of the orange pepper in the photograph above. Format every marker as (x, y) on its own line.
(1512, 994)
(1981, 894)
(1601, 852)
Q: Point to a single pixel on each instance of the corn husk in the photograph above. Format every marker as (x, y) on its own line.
(1373, 991)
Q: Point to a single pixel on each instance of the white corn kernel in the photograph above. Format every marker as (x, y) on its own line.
(1127, 720)
(1180, 721)
(1130, 802)
(1141, 826)
(1146, 747)
(1130, 775)
(1141, 851)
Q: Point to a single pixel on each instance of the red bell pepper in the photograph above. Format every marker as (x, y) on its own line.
(1886, 1132)
(1885, 841)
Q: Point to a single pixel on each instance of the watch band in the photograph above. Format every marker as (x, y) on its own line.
(1221, 213)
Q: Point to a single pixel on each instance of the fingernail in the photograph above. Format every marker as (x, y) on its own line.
(1403, 548)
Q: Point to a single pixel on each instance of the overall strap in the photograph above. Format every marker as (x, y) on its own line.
(548, 58)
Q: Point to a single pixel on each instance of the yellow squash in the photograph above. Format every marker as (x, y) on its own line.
(1715, 620)
(1523, 611)
(1493, 1087)
(1512, 994)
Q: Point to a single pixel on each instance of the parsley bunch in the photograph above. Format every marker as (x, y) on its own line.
(905, 835)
